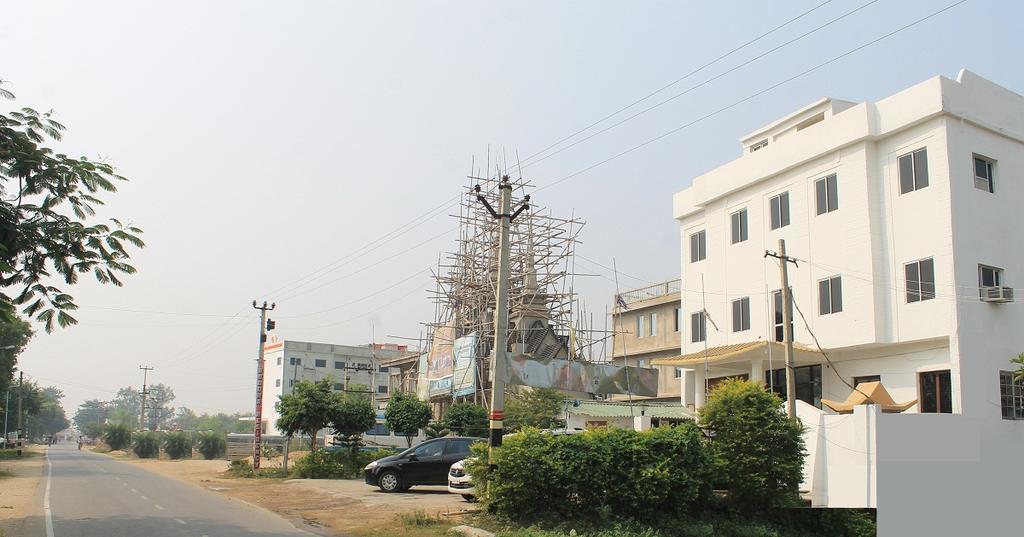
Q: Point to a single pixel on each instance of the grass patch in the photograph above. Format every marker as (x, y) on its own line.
(3, 474)
(416, 524)
(12, 454)
(243, 468)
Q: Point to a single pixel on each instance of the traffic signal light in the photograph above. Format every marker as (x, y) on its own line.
(270, 324)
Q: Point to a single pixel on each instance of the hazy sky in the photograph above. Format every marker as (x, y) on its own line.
(267, 141)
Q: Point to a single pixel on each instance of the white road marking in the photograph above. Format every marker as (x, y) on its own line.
(117, 478)
(123, 484)
(46, 496)
(135, 491)
(145, 497)
(179, 521)
(158, 506)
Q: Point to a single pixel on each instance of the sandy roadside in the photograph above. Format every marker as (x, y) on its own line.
(328, 507)
(21, 507)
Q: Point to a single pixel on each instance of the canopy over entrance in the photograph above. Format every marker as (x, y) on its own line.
(740, 352)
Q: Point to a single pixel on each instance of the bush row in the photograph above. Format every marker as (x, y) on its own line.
(177, 445)
(343, 464)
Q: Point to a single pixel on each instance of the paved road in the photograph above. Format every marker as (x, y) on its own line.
(92, 495)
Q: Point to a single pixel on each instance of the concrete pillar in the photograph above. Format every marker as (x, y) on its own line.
(700, 397)
(757, 371)
(641, 423)
(686, 394)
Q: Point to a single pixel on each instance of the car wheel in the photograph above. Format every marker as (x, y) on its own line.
(469, 497)
(389, 481)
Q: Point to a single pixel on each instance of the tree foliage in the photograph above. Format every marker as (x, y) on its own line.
(436, 429)
(758, 450)
(466, 419)
(353, 417)
(14, 333)
(90, 418)
(48, 230)
(308, 409)
(159, 408)
(538, 407)
(1019, 362)
(406, 415)
(118, 436)
(47, 417)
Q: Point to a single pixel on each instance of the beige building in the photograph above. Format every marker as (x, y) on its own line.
(647, 326)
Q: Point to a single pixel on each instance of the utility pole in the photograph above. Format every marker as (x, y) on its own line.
(787, 323)
(142, 413)
(265, 325)
(504, 218)
(21, 397)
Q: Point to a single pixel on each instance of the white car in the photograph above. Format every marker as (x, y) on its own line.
(459, 481)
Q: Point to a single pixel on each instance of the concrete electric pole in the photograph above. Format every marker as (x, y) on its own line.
(21, 397)
(258, 428)
(504, 218)
(787, 323)
(145, 391)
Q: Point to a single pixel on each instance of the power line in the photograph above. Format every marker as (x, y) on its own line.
(751, 96)
(678, 80)
(706, 82)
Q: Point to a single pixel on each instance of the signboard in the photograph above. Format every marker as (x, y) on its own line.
(464, 377)
(575, 376)
(421, 377)
(441, 362)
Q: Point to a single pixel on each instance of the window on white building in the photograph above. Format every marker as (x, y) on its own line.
(830, 295)
(277, 383)
(983, 176)
(935, 392)
(739, 226)
(779, 206)
(913, 168)
(679, 372)
(759, 145)
(866, 378)
(698, 246)
(1011, 396)
(654, 325)
(382, 389)
(279, 358)
(320, 363)
(920, 276)
(295, 361)
(988, 277)
(338, 387)
(383, 369)
(741, 314)
(777, 317)
(826, 194)
(339, 365)
(678, 313)
(640, 321)
(291, 382)
(698, 327)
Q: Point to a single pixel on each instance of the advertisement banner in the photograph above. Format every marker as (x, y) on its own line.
(421, 378)
(441, 362)
(464, 378)
(584, 377)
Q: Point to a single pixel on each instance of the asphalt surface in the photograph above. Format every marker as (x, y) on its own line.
(92, 495)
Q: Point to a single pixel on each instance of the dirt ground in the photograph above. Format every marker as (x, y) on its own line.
(21, 482)
(326, 506)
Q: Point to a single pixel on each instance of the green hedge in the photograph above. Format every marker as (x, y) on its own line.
(146, 445)
(602, 473)
(324, 464)
(178, 445)
(118, 436)
(212, 445)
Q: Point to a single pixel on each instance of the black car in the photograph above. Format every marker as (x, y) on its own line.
(423, 464)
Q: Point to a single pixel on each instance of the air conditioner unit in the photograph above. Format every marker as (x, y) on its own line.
(997, 294)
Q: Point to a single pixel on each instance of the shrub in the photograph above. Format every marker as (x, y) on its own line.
(241, 468)
(212, 445)
(340, 464)
(146, 445)
(758, 451)
(178, 445)
(466, 419)
(117, 436)
(436, 430)
(603, 474)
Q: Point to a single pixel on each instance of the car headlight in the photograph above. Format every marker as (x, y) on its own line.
(370, 466)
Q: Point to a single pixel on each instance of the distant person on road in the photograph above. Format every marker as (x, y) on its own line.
(79, 443)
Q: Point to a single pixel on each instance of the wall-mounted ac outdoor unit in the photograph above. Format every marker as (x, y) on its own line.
(997, 294)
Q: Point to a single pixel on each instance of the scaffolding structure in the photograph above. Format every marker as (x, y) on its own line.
(545, 318)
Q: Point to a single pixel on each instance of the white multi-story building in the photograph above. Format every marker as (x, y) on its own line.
(349, 368)
(903, 217)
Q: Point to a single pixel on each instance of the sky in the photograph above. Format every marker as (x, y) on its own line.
(270, 146)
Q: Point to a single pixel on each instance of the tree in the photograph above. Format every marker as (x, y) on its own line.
(185, 419)
(353, 417)
(466, 419)
(91, 417)
(539, 407)
(308, 409)
(159, 411)
(436, 429)
(406, 415)
(14, 336)
(1019, 361)
(48, 417)
(47, 200)
(757, 449)
(124, 407)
